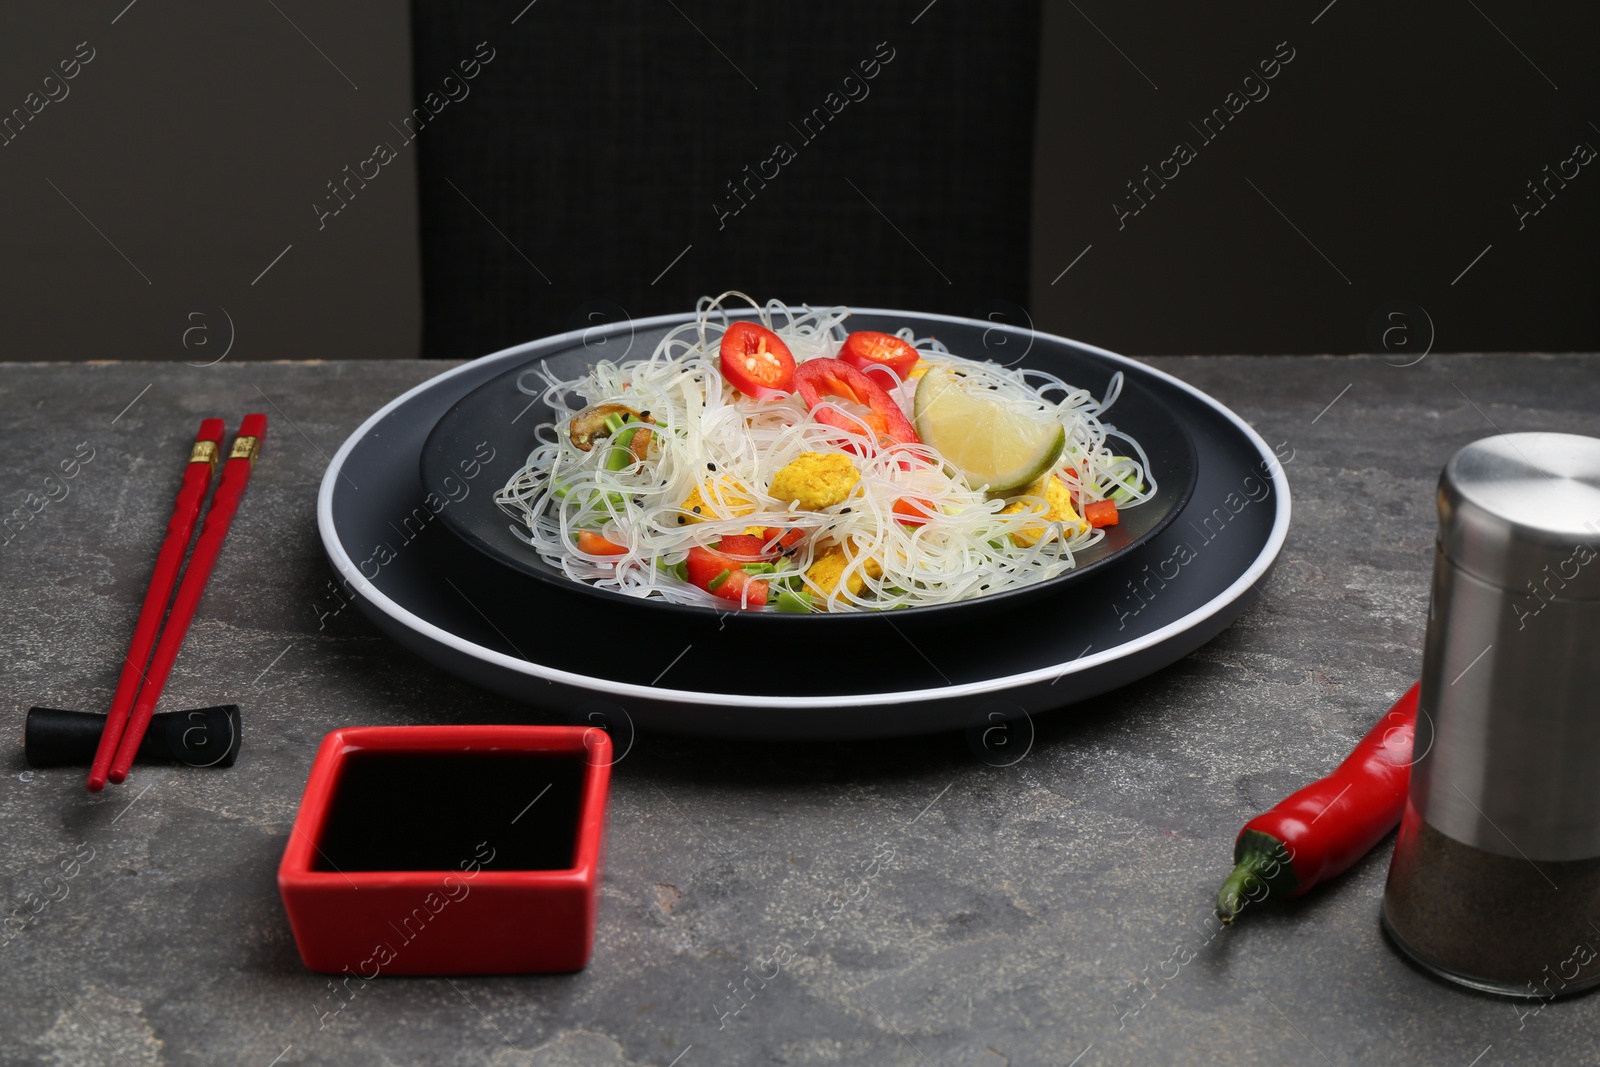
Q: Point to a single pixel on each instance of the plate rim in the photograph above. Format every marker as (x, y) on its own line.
(358, 583)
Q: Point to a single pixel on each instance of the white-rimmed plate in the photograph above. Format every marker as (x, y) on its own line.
(445, 602)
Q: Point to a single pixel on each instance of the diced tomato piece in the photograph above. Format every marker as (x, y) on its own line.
(869, 351)
(818, 379)
(756, 361)
(725, 577)
(595, 545)
(914, 510)
(744, 547)
(1101, 512)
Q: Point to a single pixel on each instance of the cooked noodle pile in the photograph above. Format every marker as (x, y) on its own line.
(709, 436)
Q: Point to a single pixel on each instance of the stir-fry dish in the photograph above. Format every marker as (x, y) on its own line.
(780, 462)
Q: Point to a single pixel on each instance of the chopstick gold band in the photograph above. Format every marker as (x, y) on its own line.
(204, 452)
(244, 448)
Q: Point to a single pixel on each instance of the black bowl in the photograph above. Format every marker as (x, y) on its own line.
(486, 438)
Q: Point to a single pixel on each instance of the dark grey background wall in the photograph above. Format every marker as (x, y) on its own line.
(628, 156)
(144, 203)
(1376, 166)
(175, 196)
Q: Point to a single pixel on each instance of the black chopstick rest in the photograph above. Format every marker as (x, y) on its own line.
(204, 737)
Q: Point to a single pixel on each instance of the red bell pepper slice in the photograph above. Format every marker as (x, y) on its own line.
(914, 510)
(773, 542)
(1100, 512)
(595, 545)
(747, 548)
(781, 541)
(725, 577)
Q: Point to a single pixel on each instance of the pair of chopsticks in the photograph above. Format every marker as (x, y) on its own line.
(129, 719)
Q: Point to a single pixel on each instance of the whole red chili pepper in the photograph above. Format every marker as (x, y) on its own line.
(1324, 828)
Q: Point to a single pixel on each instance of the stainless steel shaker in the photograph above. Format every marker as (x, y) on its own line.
(1495, 881)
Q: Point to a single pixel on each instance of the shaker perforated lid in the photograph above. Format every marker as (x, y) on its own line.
(1522, 507)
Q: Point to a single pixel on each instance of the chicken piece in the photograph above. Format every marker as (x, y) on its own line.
(697, 506)
(815, 480)
(828, 568)
(1058, 499)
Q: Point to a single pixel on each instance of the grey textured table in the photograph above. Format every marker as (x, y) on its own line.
(1010, 914)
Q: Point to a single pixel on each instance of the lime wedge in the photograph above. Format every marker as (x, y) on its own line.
(991, 443)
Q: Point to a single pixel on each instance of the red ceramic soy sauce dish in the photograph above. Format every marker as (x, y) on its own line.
(435, 850)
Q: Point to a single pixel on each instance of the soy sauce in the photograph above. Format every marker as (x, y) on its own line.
(506, 811)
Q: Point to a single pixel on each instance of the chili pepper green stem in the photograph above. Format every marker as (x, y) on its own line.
(1262, 869)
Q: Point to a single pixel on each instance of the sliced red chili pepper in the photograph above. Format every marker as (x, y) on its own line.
(871, 351)
(914, 510)
(1100, 513)
(818, 379)
(595, 545)
(1324, 828)
(756, 361)
(725, 577)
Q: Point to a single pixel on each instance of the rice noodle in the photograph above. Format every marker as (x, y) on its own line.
(708, 435)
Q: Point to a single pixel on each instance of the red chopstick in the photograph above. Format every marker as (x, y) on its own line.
(185, 512)
(235, 476)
